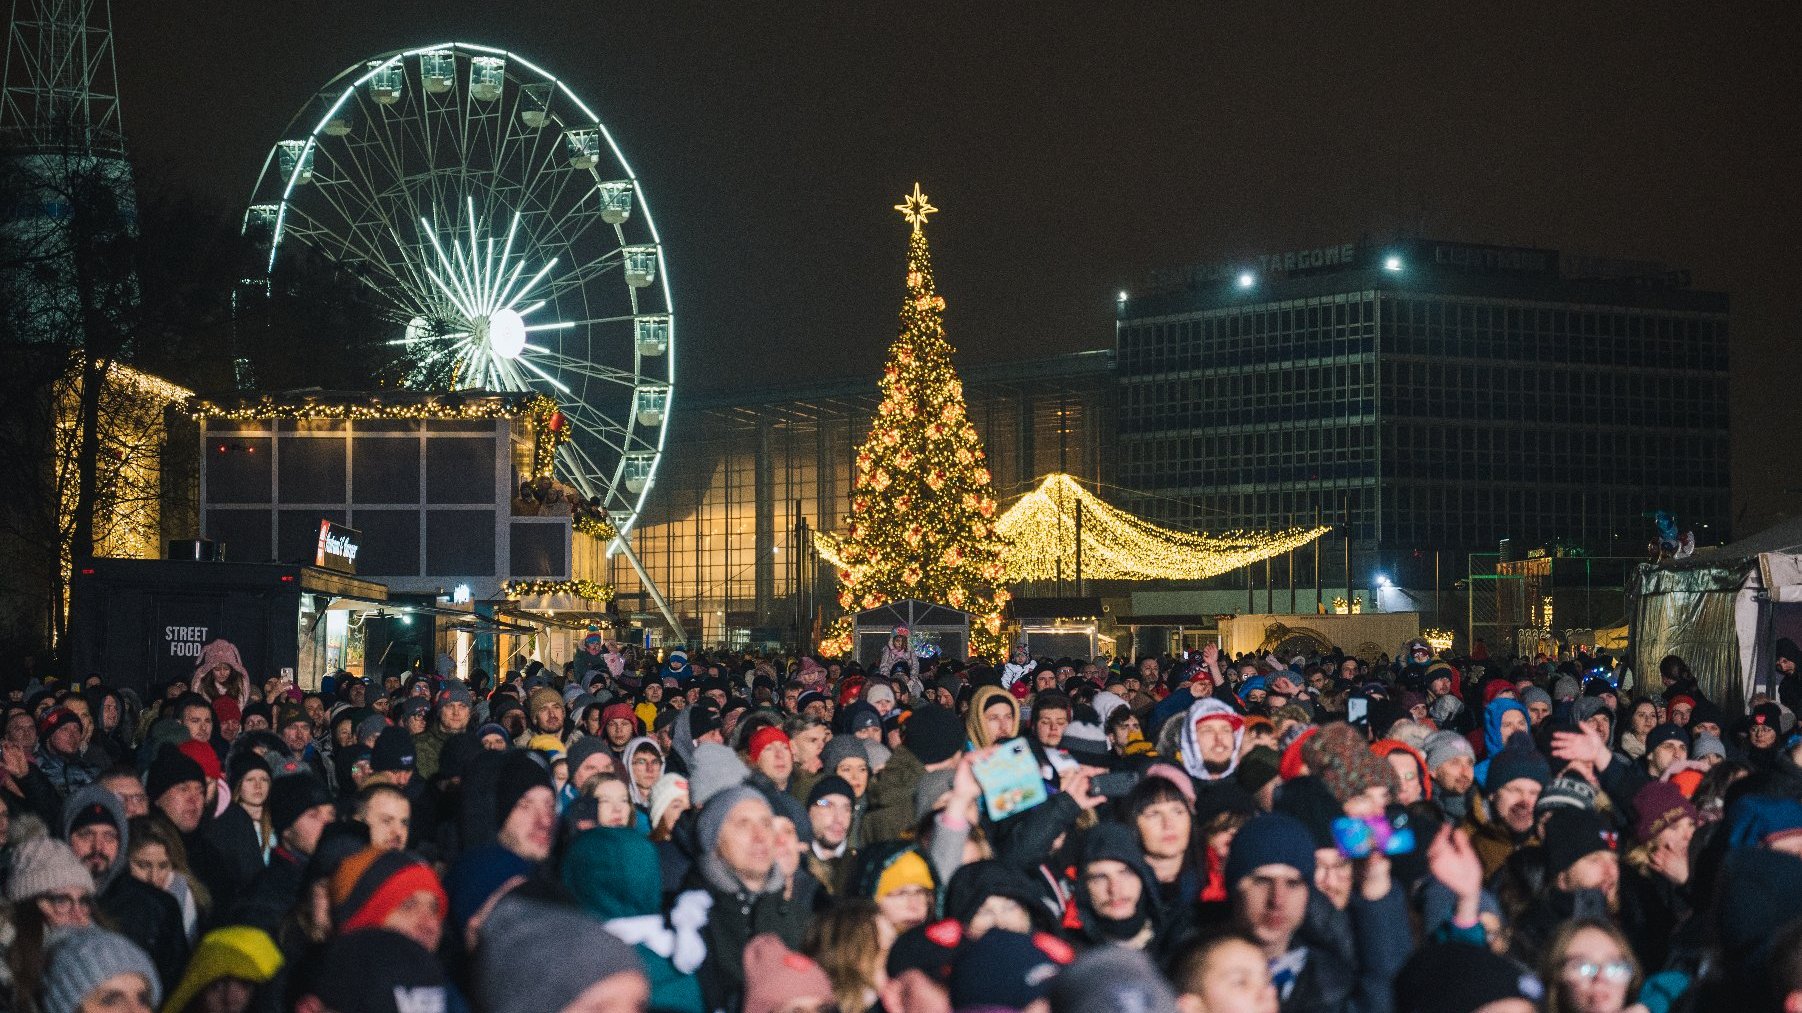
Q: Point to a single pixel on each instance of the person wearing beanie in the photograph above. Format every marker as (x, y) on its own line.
(779, 980)
(608, 974)
(1269, 872)
(830, 856)
(931, 741)
(1461, 978)
(241, 833)
(1006, 970)
(714, 769)
(1708, 749)
(669, 800)
(1582, 871)
(1340, 756)
(178, 787)
(94, 824)
(1566, 791)
(89, 968)
(391, 759)
(236, 955)
(1257, 774)
(589, 759)
(546, 714)
(376, 888)
(300, 808)
(451, 713)
(848, 757)
(376, 971)
(773, 756)
(1504, 820)
(1451, 762)
(736, 866)
(1112, 980)
(1538, 704)
(525, 808)
(1666, 746)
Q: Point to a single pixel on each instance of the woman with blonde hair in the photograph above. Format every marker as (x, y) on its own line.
(994, 716)
(1589, 968)
(850, 941)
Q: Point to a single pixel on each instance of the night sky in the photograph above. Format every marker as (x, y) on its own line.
(1074, 148)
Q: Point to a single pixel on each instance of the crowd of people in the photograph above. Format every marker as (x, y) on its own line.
(747, 834)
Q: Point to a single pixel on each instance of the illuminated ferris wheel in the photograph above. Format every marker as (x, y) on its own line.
(500, 230)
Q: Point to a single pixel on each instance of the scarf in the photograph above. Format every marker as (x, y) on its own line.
(679, 941)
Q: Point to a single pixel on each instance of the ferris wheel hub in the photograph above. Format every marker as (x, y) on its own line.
(506, 332)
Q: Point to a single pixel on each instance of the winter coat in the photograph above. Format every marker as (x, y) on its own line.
(233, 836)
(891, 813)
(737, 914)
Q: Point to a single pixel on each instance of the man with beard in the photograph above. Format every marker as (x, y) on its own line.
(1212, 733)
(544, 708)
(95, 826)
(1583, 874)
(1452, 763)
(1502, 822)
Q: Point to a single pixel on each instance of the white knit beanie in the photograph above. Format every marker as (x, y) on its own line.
(46, 865)
(80, 960)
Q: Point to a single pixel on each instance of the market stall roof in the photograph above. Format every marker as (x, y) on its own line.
(316, 402)
(1784, 536)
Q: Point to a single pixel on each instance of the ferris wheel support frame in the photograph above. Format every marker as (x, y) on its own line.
(645, 581)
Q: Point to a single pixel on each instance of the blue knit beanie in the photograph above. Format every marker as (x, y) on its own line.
(1271, 839)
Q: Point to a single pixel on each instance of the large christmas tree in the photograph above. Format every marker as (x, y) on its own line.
(923, 509)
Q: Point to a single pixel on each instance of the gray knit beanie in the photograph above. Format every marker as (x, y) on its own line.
(519, 926)
(80, 960)
(1441, 747)
(1533, 693)
(1565, 688)
(46, 865)
(715, 768)
(1587, 707)
(928, 788)
(840, 748)
(713, 815)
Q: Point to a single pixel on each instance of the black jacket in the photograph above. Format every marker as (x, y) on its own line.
(152, 919)
(233, 837)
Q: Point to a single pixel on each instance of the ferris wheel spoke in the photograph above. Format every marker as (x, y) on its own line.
(596, 426)
(592, 370)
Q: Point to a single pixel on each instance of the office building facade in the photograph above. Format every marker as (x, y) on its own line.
(1434, 397)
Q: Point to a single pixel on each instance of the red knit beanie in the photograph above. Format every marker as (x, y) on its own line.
(373, 882)
(762, 737)
(203, 754)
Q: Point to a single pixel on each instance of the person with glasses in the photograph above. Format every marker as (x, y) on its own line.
(1589, 968)
(829, 810)
(48, 889)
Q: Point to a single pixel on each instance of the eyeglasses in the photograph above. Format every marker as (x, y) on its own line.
(1615, 971)
(63, 903)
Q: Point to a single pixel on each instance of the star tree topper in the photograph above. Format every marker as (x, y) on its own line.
(915, 208)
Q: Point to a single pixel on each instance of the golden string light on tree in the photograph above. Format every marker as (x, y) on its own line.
(922, 506)
(1041, 534)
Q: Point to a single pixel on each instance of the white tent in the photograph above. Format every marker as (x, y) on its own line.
(1716, 610)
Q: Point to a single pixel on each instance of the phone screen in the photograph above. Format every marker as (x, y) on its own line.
(1357, 710)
